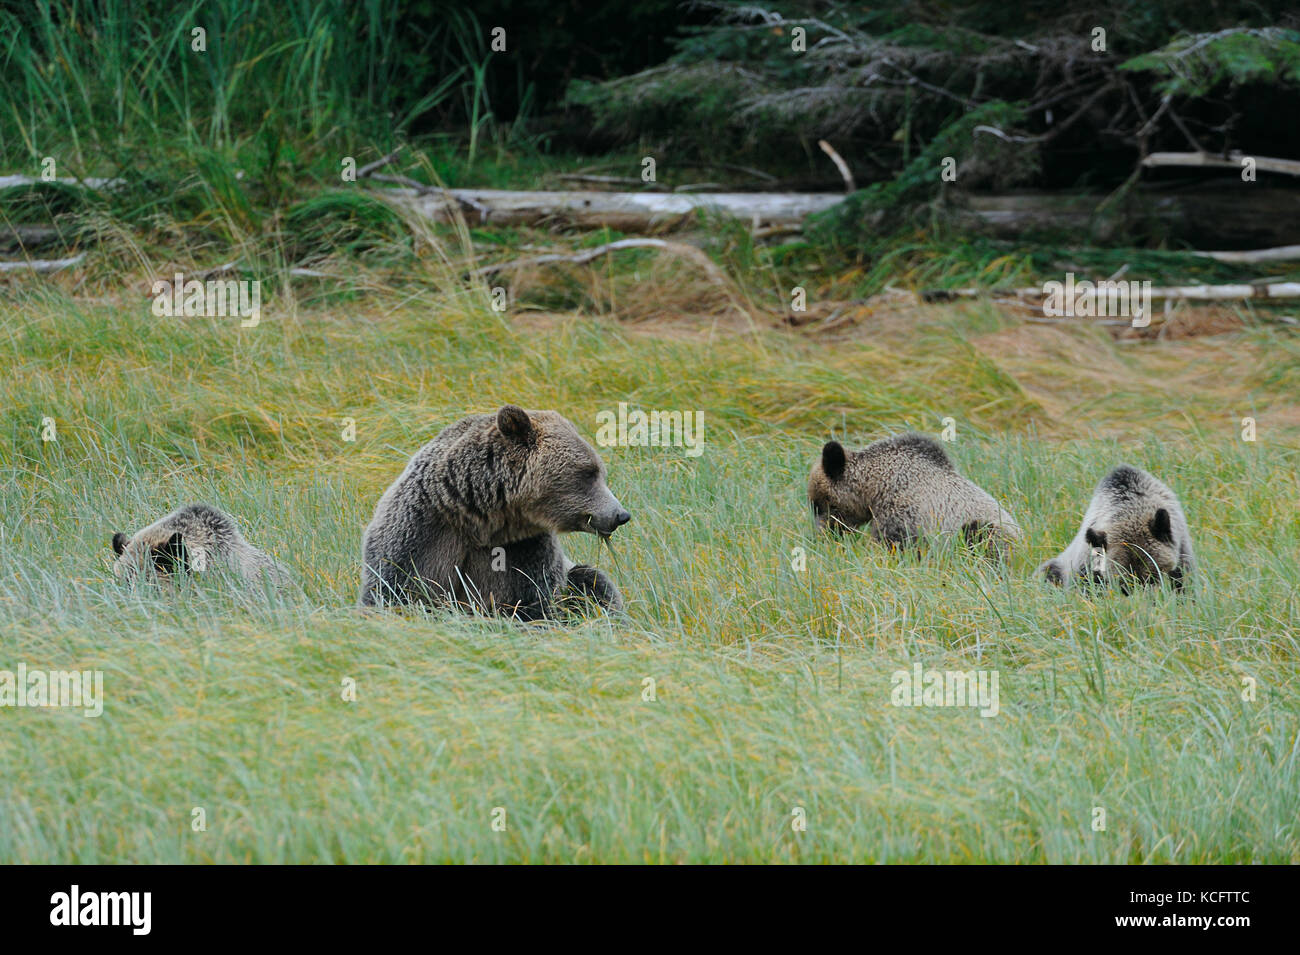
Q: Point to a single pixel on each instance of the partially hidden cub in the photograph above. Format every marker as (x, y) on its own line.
(905, 489)
(196, 538)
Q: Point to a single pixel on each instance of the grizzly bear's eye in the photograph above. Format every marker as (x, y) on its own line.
(590, 474)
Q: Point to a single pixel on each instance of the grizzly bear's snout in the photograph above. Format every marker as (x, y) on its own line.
(610, 521)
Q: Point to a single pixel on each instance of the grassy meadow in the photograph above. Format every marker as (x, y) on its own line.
(772, 674)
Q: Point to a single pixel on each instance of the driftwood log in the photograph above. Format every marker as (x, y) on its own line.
(1289, 167)
(1203, 293)
(625, 211)
(1245, 215)
(28, 236)
(42, 265)
(90, 182)
(1285, 253)
(1223, 216)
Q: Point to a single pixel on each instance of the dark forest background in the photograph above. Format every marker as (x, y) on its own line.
(1024, 97)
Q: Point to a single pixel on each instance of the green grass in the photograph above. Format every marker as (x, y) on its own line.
(773, 686)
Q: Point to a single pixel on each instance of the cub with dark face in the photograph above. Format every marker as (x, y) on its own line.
(194, 539)
(1133, 534)
(905, 489)
(473, 520)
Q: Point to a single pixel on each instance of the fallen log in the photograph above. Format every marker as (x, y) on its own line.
(28, 236)
(1204, 293)
(698, 256)
(1231, 214)
(1289, 167)
(41, 265)
(1251, 217)
(628, 212)
(90, 182)
(1285, 253)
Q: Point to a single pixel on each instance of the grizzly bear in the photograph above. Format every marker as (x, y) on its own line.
(193, 539)
(473, 521)
(1134, 532)
(906, 489)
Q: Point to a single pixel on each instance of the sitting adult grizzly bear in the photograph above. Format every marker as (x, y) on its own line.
(474, 519)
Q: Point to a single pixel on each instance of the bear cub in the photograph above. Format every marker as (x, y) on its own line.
(1133, 532)
(474, 520)
(906, 489)
(196, 538)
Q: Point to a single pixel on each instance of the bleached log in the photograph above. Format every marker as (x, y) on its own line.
(1290, 167)
(1245, 215)
(90, 182)
(627, 211)
(1213, 292)
(1285, 253)
(1169, 292)
(41, 265)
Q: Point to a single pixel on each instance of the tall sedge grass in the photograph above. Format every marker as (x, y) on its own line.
(771, 685)
(226, 123)
(91, 82)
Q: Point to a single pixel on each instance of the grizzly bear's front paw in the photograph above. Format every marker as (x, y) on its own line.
(1053, 572)
(591, 583)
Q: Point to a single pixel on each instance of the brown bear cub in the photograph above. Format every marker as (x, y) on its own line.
(194, 539)
(906, 489)
(474, 520)
(1134, 533)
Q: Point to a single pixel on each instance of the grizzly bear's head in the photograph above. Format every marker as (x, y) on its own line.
(168, 555)
(837, 504)
(562, 487)
(1135, 549)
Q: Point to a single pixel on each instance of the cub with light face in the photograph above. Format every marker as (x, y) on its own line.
(474, 520)
(1133, 534)
(904, 489)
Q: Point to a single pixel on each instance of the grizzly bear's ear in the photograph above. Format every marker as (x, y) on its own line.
(833, 460)
(119, 542)
(1160, 527)
(513, 422)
